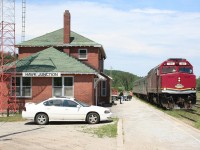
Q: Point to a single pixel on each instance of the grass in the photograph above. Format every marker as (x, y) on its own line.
(198, 95)
(191, 117)
(14, 118)
(108, 130)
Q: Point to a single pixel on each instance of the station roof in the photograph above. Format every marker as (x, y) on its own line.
(55, 38)
(52, 60)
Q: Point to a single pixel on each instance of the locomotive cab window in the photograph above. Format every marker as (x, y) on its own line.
(185, 70)
(168, 69)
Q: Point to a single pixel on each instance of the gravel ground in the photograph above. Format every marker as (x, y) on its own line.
(140, 127)
(66, 136)
(146, 128)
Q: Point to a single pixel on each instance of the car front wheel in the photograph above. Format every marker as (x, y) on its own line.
(93, 118)
(41, 119)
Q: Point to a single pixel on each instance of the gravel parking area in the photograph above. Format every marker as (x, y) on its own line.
(140, 127)
(56, 136)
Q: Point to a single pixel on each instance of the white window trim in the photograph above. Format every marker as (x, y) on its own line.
(80, 55)
(63, 86)
(22, 87)
(102, 89)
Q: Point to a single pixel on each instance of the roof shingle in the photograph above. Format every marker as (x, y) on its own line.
(52, 60)
(55, 38)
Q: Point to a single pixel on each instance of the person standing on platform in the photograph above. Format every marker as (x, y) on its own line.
(121, 94)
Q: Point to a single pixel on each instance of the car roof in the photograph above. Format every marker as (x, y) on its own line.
(61, 97)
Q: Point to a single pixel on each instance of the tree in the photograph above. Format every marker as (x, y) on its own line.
(122, 80)
(7, 57)
(198, 84)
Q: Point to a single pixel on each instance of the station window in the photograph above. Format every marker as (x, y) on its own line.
(82, 53)
(103, 88)
(23, 86)
(63, 86)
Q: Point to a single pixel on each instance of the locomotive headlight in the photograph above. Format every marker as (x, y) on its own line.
(179, 79)
(164, 89)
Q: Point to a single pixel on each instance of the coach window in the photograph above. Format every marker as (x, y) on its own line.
(63, 86)
(23, 86)
(82, 53)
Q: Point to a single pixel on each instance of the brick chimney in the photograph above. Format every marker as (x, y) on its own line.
(67, 26)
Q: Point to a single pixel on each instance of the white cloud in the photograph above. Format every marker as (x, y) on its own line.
(152, 11)
(151, 33)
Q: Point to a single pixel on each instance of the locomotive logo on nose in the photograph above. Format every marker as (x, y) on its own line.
(179, 86)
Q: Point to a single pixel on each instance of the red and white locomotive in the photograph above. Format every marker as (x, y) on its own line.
(170, 84)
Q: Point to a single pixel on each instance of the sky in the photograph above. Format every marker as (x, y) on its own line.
(137, 35)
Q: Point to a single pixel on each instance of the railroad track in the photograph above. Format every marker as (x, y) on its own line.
(193, 112)
(191, 115)
(197, 105)
(188, 118)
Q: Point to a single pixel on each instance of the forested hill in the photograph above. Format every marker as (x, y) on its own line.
(122, 80)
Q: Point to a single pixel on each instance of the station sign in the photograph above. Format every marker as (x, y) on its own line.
(41, 74)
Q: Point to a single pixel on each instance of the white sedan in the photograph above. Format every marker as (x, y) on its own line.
(65, 109)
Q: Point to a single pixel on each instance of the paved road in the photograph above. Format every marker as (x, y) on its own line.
(145, 128)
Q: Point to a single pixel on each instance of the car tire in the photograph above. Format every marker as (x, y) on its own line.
(93, 118)
(41, 119)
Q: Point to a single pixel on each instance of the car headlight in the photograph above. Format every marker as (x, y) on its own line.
(107, 111)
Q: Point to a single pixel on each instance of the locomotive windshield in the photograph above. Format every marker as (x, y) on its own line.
(172, 69)
(168, 69)
(185, 70)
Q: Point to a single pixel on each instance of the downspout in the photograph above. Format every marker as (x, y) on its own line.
(96, 81)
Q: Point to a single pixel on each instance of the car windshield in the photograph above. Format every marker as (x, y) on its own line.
(185, 69)
(81, 103)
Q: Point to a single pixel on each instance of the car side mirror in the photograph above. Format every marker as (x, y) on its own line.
(78, 106)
